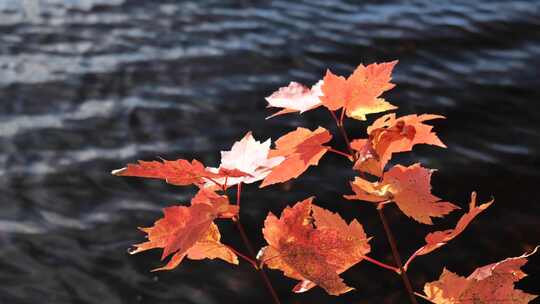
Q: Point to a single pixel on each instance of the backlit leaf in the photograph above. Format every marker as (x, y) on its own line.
(388, 135)
(437, 239)
(409, 187)
(300, 148)
(313, 245)
(295, 97)
(188, 231)
(177, 172)
(247, 162)
(490, 284)
(360, 93)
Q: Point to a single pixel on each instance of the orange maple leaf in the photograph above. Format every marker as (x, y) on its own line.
(300, 148)
(409, 187)
(360, 93)
(388, 135)
(220, 203)
(190, 231)
(177, 172)
(313, 245)
(490, 284)
(437, 239)
(295, 97)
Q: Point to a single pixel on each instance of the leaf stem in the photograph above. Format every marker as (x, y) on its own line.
(381, 264)
(224, 187)
(214, 181)
(339, 124)
(395, 253)
(340, 153)
(238, 194)
(411, 258)
(243, 256)
(423, 297)
(251, 251)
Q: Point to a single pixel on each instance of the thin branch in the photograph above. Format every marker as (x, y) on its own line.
(238, 194)
(225, 184)
(265, 278)
(395, 253)
(251, 251)
(381, 264)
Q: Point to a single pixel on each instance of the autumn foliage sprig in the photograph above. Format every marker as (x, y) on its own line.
(308, 243)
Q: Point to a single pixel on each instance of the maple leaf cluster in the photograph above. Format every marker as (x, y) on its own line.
(308, 243)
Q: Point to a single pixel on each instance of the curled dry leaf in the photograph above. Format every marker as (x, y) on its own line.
(247, 162)
(388, 135)
(313, 245)
(360, 93)
(300, 149)
(490, 284)
(295, 97)
(437, 239)
(409, 187)
(190, 231)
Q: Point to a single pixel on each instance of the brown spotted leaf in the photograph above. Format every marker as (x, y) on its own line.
(490, 284)
(313, 245)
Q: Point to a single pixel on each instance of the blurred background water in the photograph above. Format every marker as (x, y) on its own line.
(87, 86)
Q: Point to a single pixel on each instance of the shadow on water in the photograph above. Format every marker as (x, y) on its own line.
(89, 85)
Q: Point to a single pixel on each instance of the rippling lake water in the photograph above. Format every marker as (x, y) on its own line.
(87, 86)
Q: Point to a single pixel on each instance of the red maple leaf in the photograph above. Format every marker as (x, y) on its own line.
(190, 231)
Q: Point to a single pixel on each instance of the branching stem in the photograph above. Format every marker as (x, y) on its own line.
(243, 256)
(395, 253)
(339, 124)
(411, 258)
(251, 251)
(214, 181)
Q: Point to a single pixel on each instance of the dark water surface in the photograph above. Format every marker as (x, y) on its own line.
(89, 85)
